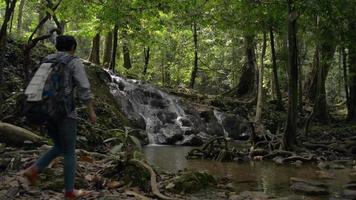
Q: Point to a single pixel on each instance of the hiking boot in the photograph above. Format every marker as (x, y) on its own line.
(31, 174)
(75, 194)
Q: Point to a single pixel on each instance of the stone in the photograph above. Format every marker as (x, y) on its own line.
(322, 174)
(235, 126)
(250, 195)
(349, 194)
(167, 117)
(191, 182)
(290, 197)
(308, 187)
(193, 140)
(350, 186)
(156, 103)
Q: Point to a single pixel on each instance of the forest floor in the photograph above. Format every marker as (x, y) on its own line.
(114, 176)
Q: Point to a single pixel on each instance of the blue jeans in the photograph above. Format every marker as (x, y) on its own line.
(63, 134)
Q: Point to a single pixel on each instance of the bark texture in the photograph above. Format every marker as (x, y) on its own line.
(108, 49)
(95, 50)
(291, 127)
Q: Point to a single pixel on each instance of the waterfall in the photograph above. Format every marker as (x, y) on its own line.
(165, 118)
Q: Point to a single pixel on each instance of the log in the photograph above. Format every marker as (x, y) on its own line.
(14, 135)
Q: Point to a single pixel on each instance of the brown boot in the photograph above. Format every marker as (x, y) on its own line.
(75, 194)
(31, 174)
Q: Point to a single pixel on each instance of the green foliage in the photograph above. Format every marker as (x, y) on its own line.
(191, 182)
(166, 27)
(125, 143)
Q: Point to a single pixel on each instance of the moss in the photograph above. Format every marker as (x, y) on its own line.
(191, 182)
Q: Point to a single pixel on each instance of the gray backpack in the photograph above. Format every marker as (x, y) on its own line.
(49, 94)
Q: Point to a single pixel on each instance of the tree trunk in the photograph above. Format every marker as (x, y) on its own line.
(163, 73)
(326, 54)
(346, 80)
(291, 127)
(20, 16)
(310, 83)
(108, 49)
(146, 52)
(95, 50)
(351, 115)
(247, 82)
(11, 22)
(10, 7)
(260, 81)
(195, 66)
(114, 49)
(41, 14)
(126, 51)
(275, 72)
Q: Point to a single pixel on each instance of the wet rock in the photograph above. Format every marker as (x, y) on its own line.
(193, 140)
(290, 197)
(191, 182)
(308, 187)
(185, 122)
(250, 195)
(325, 174)
(167, 117)
(235, 126)
(349, 194)
(336, 166)
(352, 175)
(170, 134)
(141, 135)
(161, 104)
(350, 186)
(191, 132)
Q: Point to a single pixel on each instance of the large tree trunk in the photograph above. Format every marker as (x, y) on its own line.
(291, 127)
(275, 72)
(146, 52)
(195, 66)
(41, 14)
(20, 16)
(351, 115)
(126, 50)
(114, 49)
(95, 50)
(10, 7)
(108, 49)
(260, 81)
(327, 51)
(346, 80)
(247, 82)
(310, 83)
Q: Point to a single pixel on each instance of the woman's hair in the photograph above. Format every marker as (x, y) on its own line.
(66, 43)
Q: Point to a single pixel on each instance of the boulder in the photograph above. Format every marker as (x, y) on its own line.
(250, 195)
(308, 187)
(191, 182)
(235, 126)
(193, 140)
(349, 194)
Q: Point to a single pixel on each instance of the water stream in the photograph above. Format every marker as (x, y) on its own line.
(253, 176)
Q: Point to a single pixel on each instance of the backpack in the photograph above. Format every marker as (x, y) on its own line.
(49, 95)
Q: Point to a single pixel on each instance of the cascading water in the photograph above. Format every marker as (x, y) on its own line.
(163, 116)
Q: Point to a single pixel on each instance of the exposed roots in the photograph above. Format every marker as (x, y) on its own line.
(154, 185)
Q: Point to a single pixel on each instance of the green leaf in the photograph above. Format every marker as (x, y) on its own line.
(116, 148)
(136, 142)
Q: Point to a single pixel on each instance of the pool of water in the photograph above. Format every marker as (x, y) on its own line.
(256, 176)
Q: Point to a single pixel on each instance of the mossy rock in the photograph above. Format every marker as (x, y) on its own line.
(191, 182)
